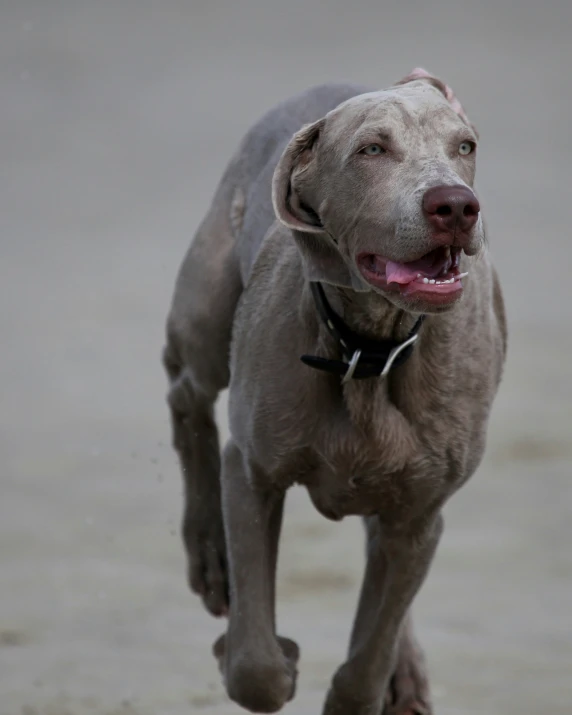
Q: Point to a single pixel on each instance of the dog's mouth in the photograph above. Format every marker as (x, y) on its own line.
(436, 276)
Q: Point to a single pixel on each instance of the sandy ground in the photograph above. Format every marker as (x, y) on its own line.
(117, 120)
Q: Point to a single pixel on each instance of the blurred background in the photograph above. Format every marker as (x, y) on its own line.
(117, 119)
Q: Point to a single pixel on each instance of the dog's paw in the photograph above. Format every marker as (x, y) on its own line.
(207, 564)
(259, 682)
(407, 708)
(408, 692)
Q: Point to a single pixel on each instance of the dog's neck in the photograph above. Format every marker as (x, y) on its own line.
(370, 314)
(363, 355)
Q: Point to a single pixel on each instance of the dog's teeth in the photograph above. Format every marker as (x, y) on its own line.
(447, 251)
(462, 275)
(419, 275)
(432, 281)
(426, 280)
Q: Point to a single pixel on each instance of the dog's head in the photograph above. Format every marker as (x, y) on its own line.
(379, 194)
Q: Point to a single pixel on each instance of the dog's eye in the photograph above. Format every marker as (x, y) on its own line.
(373, 150)
(466, 148)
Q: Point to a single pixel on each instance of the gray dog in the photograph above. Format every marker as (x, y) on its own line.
(363, 336)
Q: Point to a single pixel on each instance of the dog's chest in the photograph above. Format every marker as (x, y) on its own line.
(382, 469)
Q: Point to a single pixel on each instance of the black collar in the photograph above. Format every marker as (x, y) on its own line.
(363, 357)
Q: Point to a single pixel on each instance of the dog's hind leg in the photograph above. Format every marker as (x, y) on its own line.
(408, 691)
(196, 359)
(396, 567)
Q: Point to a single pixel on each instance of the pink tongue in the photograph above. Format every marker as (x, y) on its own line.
(407, 272)
(399, 273)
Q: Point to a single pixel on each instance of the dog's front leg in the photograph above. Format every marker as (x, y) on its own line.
(259, 668)
(397, 564)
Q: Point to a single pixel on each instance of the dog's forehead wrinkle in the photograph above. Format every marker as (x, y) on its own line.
(413, 115)
(412, 91)
(395, 101)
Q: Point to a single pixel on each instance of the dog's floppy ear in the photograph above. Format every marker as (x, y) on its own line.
(292, 181)
(296, 161)
(421, 74)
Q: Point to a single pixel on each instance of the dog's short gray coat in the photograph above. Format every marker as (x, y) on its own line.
(391, 450)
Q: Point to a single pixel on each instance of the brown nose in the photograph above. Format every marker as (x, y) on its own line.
(451, 208)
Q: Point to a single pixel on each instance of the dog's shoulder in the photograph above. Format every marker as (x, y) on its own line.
(269, 383)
